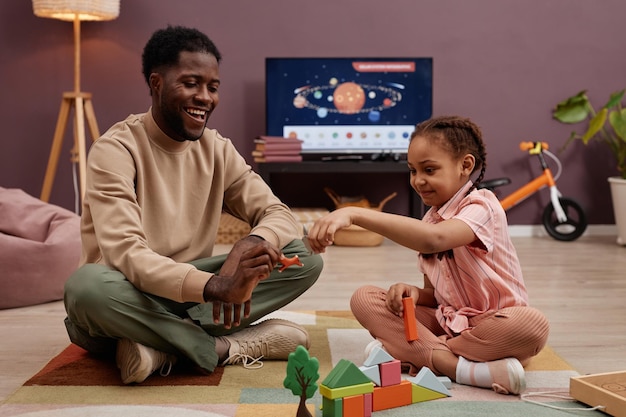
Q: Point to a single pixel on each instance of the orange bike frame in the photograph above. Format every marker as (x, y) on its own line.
(525, 191)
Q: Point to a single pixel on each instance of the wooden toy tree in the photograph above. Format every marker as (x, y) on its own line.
(302, 376)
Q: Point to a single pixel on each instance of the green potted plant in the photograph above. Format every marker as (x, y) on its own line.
(608, 125)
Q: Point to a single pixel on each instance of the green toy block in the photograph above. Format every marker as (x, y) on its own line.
(345, 374)
(332, 408)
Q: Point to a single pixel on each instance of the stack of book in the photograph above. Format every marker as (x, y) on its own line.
(277, 149)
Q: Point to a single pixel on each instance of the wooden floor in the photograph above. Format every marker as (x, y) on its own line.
(580, 286)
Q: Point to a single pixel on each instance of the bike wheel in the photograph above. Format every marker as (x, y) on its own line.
(572, 228)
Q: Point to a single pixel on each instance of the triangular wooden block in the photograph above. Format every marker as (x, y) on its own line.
(377, 356)
(372, 372)
(445, 381)
(427, 379)
(345, 374)
(420, 394)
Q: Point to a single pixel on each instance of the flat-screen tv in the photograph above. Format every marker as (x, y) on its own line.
(348, 105)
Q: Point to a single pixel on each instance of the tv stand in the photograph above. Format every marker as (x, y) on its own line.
(386, 156)
(344, 167)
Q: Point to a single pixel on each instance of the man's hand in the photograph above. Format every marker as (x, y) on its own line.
(251, 260)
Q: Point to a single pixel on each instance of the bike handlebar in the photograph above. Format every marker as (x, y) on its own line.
(528, 146)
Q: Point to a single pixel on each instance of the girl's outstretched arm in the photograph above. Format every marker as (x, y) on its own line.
(406, 231)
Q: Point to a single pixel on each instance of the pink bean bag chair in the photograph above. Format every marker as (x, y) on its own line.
(39, 249)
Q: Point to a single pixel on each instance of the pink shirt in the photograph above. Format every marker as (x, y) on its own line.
(481, 277)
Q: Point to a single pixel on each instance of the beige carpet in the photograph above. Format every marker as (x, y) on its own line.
(75, 384)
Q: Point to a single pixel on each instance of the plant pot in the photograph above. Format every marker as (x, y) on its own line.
(354, 235)
(618, 194)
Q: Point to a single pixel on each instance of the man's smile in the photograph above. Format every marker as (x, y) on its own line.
(197, 114)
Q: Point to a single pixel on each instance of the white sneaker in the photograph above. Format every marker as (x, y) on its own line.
(272, 339)
(137, 362)
(508, 376)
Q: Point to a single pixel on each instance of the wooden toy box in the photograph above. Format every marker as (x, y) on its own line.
(607, 389)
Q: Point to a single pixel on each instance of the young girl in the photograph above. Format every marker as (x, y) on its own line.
(474, 322)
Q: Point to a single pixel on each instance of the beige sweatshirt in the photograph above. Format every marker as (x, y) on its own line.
(152, 204)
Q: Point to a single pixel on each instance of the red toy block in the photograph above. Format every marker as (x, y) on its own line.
(392, 396)
(390, 373)
(353, 406)
(410, 323)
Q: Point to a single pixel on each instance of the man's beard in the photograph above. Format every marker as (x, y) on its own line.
(175, 121)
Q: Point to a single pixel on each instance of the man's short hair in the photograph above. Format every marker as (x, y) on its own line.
(165, 45)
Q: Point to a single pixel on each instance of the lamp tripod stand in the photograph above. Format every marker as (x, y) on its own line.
(83, 111)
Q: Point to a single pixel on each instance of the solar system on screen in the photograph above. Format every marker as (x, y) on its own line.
(348, 105)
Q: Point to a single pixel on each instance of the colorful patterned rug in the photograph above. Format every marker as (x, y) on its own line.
(75, 384)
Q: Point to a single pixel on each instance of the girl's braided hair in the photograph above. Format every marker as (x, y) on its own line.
(458, 135)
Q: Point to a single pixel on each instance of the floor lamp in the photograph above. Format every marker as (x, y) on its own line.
(74, 11)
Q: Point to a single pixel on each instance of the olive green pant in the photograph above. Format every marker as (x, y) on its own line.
(103, 306)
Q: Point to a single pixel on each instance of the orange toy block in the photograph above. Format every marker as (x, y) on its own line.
(410, 323)
(353, 406)
(392, 396)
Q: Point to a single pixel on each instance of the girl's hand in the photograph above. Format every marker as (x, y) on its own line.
(396, 293)
(322, 234)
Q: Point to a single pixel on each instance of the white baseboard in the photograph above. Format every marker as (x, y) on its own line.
(539, 230)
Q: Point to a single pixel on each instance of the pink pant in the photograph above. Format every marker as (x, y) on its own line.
(519, 332)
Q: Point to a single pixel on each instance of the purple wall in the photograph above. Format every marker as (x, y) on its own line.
(504, 64)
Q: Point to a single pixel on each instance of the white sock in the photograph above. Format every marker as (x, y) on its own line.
(473, 373)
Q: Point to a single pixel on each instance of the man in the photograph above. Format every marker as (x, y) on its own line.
(148, 287)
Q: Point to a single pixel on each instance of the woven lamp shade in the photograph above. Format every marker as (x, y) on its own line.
(85, 9)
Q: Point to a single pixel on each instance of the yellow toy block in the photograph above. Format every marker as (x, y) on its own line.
(419, 394)
(332, 393)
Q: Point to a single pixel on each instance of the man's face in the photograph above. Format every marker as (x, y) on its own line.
(185, 95)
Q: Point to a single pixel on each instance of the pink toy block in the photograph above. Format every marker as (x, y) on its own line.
(390, 373)
(367, 405)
